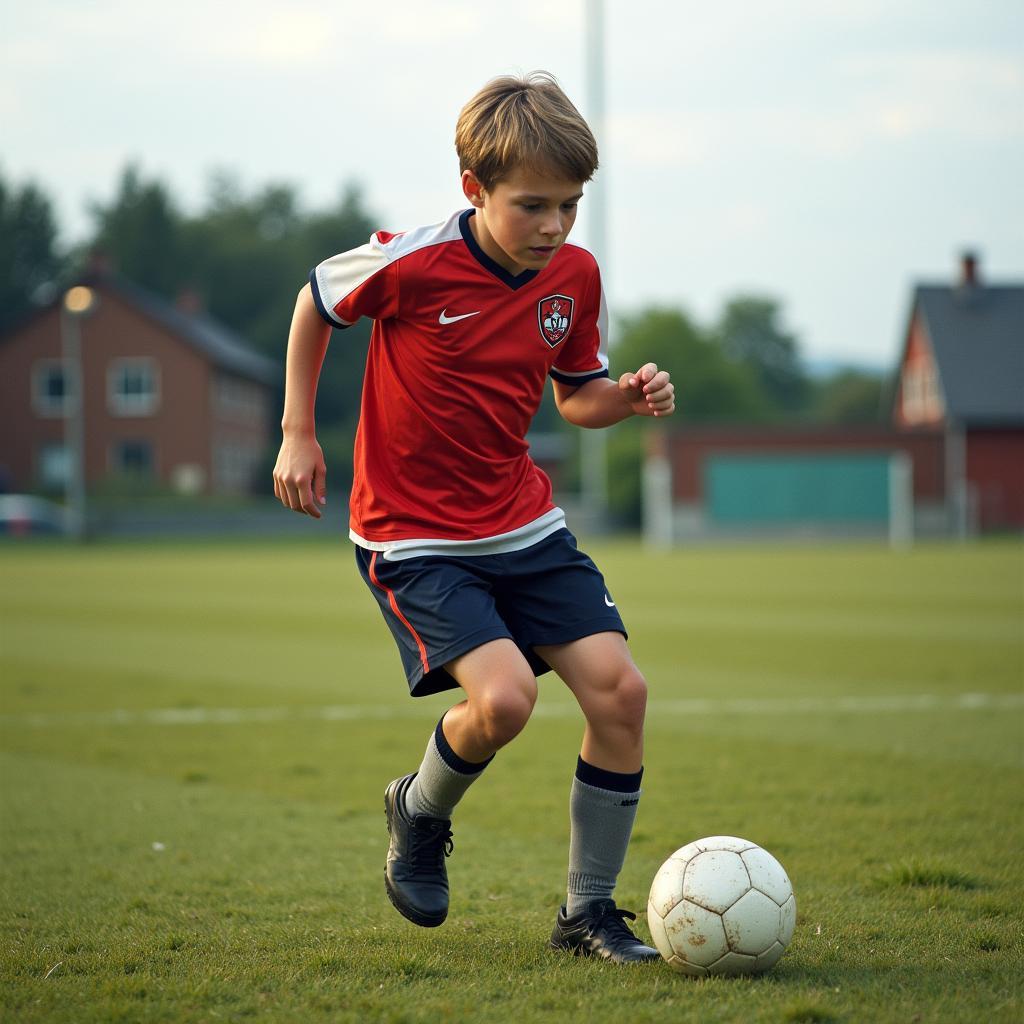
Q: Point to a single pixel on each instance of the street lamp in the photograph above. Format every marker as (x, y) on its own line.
(78, 303)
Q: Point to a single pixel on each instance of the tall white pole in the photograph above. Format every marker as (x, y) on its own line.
(593, 443)
(74, 424)
(76, 304)
(595, 77)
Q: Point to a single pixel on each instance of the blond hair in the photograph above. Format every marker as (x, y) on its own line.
(526, 122)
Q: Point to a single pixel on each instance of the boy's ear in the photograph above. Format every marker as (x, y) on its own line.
(472, 189)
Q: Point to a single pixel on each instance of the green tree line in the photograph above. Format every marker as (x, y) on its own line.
(245, 254)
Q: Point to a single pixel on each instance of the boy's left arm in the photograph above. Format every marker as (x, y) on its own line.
(602, 402)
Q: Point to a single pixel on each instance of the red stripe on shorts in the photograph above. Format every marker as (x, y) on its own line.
(394, 607)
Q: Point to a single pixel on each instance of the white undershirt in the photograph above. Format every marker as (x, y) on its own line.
(502, 543)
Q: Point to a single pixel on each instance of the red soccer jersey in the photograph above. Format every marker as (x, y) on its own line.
(458, 358)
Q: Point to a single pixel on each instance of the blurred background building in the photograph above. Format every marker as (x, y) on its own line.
(172, 399)
(949, 462)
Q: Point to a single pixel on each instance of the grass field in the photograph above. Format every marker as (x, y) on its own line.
(196, 739)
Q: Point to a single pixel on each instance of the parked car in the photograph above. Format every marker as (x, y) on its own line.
(25, 514)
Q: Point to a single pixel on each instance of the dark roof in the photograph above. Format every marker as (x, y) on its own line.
(977, 334)
(223, 346)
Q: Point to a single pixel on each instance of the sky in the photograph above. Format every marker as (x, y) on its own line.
(826, 154)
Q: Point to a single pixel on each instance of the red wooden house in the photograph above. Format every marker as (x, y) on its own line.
(962, 372)
(949, 463)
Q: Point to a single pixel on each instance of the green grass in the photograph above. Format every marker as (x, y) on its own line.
(163, 867)
(914, 873)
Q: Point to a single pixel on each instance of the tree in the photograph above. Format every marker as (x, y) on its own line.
(29, 259)
(749, 333)
(250, 255)
(709, 387)
(245, 255)
(850, 396)
(241, 260)
(141, 232)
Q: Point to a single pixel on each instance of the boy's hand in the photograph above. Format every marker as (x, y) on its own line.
(648, 392)
(300, 476)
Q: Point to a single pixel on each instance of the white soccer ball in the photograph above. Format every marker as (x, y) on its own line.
(721, 905)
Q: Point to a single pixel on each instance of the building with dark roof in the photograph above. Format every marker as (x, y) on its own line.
(961, 371)
(950, 461)
(169, 395)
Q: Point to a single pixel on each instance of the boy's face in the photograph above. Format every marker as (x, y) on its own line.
(524, 219)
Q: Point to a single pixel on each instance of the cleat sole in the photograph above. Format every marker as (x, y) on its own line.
(408, 913)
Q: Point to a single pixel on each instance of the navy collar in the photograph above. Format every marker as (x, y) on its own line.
(485, 261)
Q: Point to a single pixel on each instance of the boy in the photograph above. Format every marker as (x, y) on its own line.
(456, 536)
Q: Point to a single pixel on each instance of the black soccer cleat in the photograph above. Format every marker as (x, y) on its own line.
(415, 875)
(601, 931)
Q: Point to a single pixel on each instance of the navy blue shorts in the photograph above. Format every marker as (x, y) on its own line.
(441, 607)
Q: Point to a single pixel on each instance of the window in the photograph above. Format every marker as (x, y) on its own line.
(234, 464)
(52, 390)
(133, 387)
(238, 400)
(133, 458)
(53, 466)
(922, 399)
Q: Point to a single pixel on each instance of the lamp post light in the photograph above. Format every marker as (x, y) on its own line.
(78, 303)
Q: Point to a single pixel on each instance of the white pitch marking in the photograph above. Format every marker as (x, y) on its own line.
(877, 704)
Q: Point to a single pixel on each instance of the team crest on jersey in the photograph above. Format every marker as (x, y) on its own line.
(554, 317)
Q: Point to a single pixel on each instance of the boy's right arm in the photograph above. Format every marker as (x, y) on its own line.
(300, 473)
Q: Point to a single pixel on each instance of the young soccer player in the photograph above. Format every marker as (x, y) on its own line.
(456, 535)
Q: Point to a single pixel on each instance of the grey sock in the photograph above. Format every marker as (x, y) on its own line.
(442, 779)
(601, 823)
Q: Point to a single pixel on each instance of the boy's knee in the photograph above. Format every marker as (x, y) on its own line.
(621, 700)
(631, 696)
(505, 710)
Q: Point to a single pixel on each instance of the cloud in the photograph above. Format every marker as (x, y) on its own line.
(862, 103)
(277, 39)
(743, 220)
(662, 138)
(964, 95)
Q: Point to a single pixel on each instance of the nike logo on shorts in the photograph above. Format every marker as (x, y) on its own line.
(445, 319)
(608, 601)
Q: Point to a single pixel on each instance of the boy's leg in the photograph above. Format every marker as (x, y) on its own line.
(605, 793)
(500, 693)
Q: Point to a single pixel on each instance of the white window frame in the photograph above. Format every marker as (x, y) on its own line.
(119, 404)
(236, 399)
(234, 462)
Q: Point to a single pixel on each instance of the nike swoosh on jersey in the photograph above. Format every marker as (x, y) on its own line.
(445, 319)
(608, 601)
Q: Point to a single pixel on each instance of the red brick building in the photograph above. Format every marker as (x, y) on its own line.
(170, 395)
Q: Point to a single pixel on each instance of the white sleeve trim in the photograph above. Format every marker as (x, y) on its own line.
(339, 276)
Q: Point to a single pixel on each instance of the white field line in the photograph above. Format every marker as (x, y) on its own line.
(895, 704)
